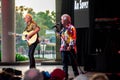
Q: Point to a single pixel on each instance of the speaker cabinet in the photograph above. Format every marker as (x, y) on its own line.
(104, 54)
(103, 40)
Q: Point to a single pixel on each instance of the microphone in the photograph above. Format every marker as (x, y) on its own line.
(58, 27)
(55, 26)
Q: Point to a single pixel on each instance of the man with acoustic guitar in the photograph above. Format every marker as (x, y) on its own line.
(31, 36)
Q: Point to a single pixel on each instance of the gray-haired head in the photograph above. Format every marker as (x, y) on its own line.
(81, 77)
(33, 74)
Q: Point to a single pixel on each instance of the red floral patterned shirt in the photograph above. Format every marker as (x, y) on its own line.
(68, 38)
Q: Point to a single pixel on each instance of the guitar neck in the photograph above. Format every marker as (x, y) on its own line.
(14, 34)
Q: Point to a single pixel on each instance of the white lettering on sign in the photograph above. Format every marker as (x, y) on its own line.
(80, 5)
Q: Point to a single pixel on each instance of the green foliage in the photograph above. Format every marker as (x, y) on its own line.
(20, 57)
(44, 19)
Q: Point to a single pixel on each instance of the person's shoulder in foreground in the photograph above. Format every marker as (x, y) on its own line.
(33, 74)
(99, 76)
(81, 77)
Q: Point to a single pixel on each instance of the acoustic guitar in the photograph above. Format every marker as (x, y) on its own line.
(24, 34)
(31, 40)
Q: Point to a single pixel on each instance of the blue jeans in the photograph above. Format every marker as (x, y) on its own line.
(67, 57)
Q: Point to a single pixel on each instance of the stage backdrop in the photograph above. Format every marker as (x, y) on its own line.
(81, 13)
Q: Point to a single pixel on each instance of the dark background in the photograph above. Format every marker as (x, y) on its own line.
(98, 41)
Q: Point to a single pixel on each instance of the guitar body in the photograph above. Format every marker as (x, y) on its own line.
(31, 40)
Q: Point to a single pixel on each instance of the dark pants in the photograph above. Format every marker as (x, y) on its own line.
(67, 57)
(31, 54)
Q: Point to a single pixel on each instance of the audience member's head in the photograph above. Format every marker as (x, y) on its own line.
(33, 74)
(57, 74)
(5, 76)
(16, 78)
(99, 76)
(46, 75)
(81, 77)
